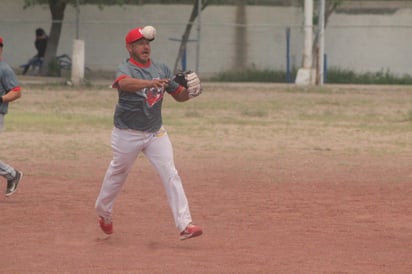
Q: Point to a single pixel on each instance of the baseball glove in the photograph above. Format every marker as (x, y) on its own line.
(190, 81)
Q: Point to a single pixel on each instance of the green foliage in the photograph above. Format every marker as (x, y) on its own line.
(54, 69)
(342, 76)
(331, 3)
(333, 76)
(330, 7)
(409, 116)
(253, 75)
(28, 3)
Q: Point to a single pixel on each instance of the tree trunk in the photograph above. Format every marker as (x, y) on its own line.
(50, 66)
(329, 10)
(185, 37)
(240, 36)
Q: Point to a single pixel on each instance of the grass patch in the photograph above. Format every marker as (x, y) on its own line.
(227, 118)
(409, 116)
(254, 113)
(55, 123)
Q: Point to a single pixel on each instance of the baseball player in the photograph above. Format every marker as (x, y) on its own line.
(141, 83)
(9, 91)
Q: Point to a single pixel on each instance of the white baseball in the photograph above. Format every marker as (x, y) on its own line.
(149, 32)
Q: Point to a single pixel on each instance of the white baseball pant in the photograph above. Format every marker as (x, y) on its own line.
(126, 146)
(5, 170)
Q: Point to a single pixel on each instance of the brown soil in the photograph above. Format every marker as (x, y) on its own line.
(270, 212)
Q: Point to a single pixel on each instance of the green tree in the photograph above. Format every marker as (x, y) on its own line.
(57, 9)
(241, 36)
(192, 18)
(185, 37)
(330, 8)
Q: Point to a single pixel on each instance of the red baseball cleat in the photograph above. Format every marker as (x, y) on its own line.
(106, 225)
(190, 232)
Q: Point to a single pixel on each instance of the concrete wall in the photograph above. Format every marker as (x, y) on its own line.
(355, 42)
(369, 43)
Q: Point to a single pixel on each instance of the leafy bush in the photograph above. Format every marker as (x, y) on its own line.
(253, 75)
(333, 76)
(341, 76)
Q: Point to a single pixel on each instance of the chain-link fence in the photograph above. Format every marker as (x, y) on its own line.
(269, 37)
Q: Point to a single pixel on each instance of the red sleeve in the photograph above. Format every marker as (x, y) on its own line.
(116, 82)
(16, 89)
(177, 91)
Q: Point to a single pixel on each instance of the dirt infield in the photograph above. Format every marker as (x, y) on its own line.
(267, 208)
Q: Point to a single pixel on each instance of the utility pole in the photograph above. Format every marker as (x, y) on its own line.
(78, 55)
(77, 18)
(306, 74)
(199, 11)
(321, 40)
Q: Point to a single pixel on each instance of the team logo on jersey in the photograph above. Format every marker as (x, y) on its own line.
(153, 95)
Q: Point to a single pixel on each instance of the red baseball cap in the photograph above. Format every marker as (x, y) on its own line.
(1, 41)
(133, 35)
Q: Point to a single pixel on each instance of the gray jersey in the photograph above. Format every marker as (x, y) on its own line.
(142, 110)
(8, 82)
